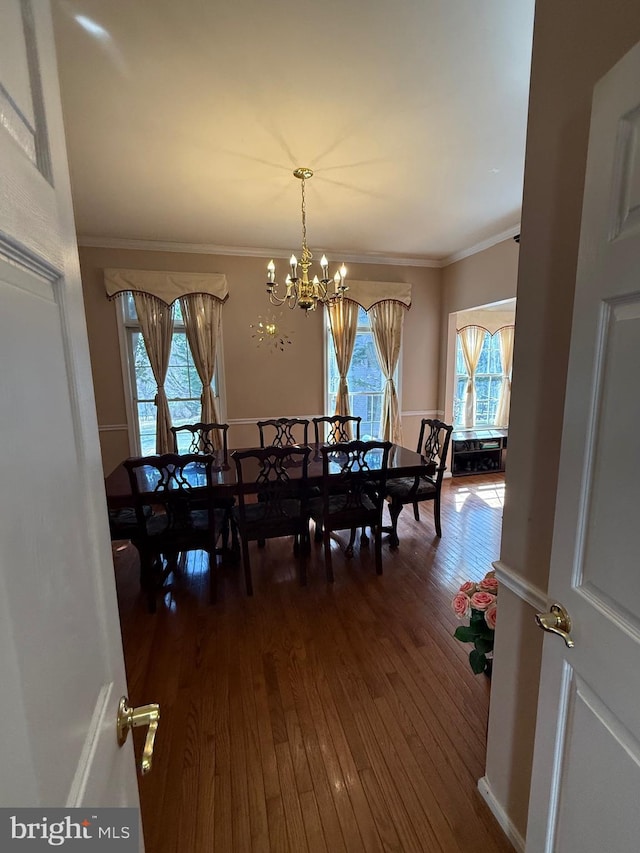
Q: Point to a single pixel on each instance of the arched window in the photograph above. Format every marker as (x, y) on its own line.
(488, 382)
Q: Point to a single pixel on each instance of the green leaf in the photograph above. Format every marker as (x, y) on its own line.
(483, 645)
(486, 632)
(478, 661)
(465, 634)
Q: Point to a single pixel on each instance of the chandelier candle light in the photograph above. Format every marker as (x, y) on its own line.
(298, 289)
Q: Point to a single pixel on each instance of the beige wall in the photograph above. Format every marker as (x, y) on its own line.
(259, 384)
(481, 279)
(574, 45)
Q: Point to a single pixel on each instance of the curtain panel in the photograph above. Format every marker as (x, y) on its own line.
(471, 340)
(202, 315)
(343, 321)
(386, 324)
(505, 341)
(156, 325)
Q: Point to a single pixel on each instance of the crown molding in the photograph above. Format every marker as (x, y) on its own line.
(480, 247)
(242, 251)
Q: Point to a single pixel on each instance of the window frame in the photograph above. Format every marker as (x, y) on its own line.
(492, 336)
(328, 349)
(125, 327)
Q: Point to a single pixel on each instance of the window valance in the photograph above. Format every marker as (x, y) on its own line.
(369, 293)
(166, 286)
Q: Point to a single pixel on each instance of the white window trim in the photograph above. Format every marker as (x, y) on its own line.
(128, 379)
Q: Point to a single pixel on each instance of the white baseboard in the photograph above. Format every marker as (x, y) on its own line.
(500, 815)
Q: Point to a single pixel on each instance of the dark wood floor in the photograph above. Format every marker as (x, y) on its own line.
(332, 718)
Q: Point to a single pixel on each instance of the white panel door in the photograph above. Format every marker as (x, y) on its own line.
(585, 792)
(61, 664)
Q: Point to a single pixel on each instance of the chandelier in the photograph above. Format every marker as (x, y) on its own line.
(298, 290)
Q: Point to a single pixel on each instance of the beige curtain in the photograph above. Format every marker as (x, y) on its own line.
(156, 325)
(386, 320)
(202, 314)
(471, 340)
(505, 340)
(343, 320)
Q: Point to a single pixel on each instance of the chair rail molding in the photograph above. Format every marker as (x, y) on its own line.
(113, 427)
(426, 413)
(520, 586)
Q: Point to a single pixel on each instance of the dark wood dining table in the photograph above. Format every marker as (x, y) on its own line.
(402, 463)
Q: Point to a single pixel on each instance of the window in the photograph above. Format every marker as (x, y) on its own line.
(182, 385)
(488, 383)
(365, 379)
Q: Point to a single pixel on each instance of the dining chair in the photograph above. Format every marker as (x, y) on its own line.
(277, 476)
(179, 490)
(199, 438)
(332, 430)
(353, 490)
(279, 432)
(336, 428)
(433, 445)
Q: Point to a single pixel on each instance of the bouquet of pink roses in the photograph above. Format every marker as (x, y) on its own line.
(478, 603)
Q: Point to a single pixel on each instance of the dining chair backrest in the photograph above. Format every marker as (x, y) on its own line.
(336, 428)
(357, 470)
(177, 483)
(280, 432)
(433, 444)
(275, 474)
(200, 438)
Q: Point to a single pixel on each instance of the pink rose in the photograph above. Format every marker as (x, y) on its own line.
(468, 587)
(461, 605)
(489, 585)
(490, 615)
(482, 600)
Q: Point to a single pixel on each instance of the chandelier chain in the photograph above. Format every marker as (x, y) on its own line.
(304, 221)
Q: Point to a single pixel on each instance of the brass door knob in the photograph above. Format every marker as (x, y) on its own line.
(132, 718)
(557, 621)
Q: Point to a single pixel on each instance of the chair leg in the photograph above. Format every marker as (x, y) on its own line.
(416, 511)
(436, 515)
(364, 539)
(348, 551)
(318, 534)
(378, 546)
(247, 566)
(395, 509)
(226, 523)
(327, 556)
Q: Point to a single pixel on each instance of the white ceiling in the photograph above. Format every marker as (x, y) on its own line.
(185, 120)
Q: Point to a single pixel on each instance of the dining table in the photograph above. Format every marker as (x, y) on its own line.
(402, 463)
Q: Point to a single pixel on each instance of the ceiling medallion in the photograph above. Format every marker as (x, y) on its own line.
(269, 334)
(298, 290)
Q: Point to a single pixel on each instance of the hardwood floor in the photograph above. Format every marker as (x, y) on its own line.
(332, 718)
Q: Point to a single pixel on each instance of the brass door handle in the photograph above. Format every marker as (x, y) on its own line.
(557, 621)
(131, 718)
